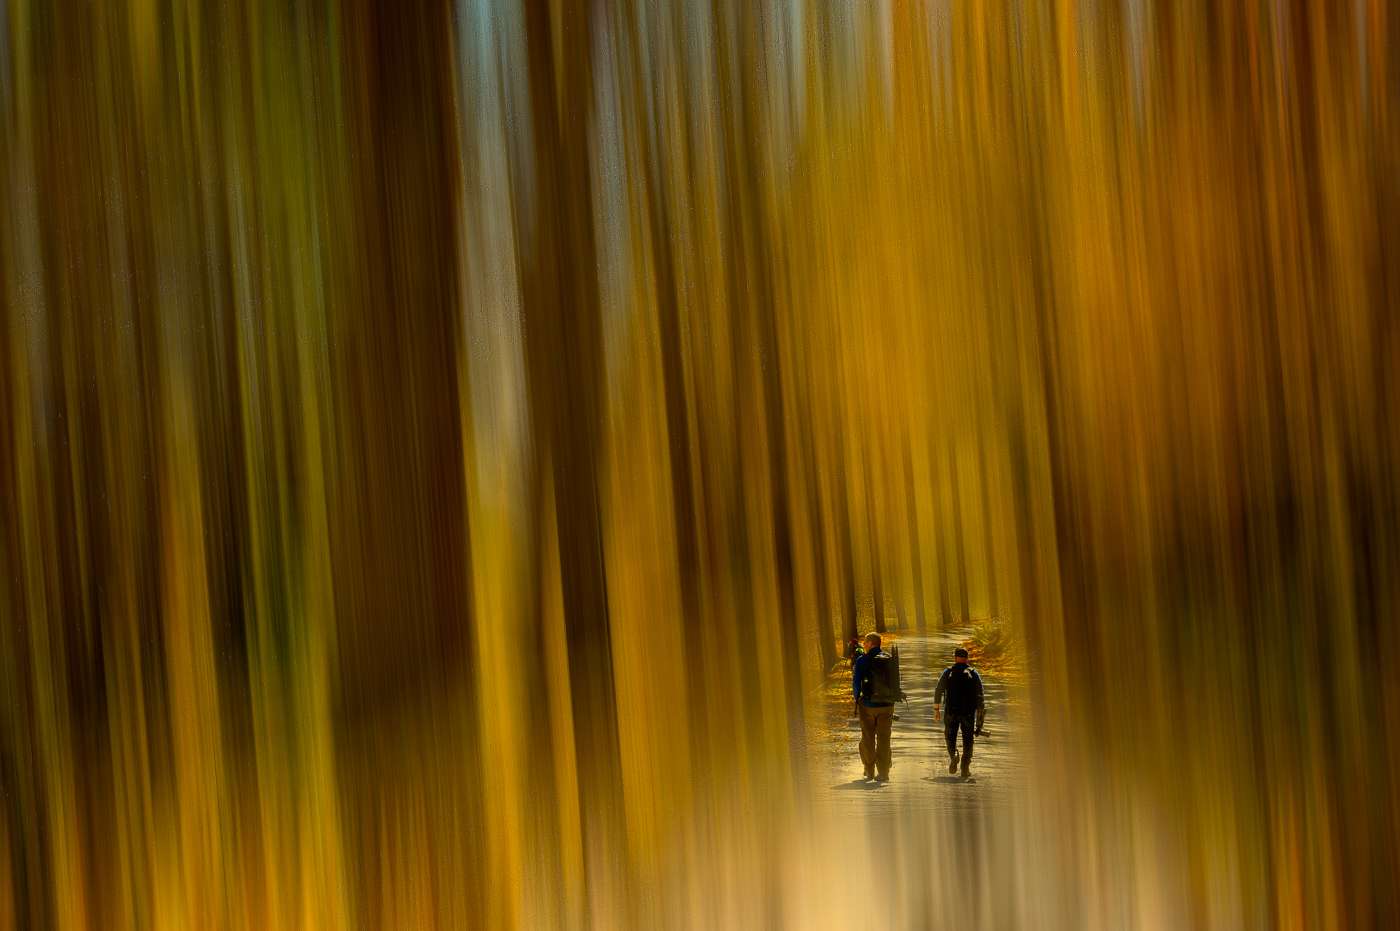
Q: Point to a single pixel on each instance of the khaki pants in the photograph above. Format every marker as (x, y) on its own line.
(875, 724)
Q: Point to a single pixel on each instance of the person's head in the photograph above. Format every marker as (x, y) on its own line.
(959, 655)
(872, 642)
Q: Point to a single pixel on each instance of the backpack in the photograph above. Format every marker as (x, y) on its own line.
(884, 678)
(962, 689)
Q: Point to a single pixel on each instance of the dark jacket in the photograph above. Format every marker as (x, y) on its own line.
(964, 692)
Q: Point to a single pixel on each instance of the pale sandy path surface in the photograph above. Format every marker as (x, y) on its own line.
(919, 779)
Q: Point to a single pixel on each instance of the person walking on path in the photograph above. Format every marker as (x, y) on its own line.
(963, 687)
(875, 693)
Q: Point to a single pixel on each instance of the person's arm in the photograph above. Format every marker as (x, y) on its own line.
(938, 696)
(857, 676)
(981, 705)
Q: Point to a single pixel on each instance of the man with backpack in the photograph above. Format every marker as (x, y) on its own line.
(876, 684)
(963, 687)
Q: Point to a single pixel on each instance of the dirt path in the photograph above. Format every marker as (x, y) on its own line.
(919, 778)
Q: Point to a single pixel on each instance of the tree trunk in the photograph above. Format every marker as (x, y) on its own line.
(399, 417)
(989, 542)
(560, 301)
(915, 552)
(401, 563)
(751, 296)
(826, 633)
(959, 548)
(940, 527)
(850, 621)
(684, 512)
(876, 570)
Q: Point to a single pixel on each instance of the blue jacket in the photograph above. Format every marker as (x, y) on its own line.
(861, 674)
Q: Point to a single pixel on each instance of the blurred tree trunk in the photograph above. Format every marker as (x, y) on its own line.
(655, 152)
(399, 420)
(821, 581)
(751, 296)
(901, 607)
(782, 517)
(876, 569)
(959, 549)
(915, 553)
(849, 619)
(400, 538)
(826, 632)
(563, 340)
(940, 527)
(988, 541)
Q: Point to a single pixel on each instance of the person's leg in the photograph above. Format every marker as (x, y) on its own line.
(884, 722)
(966, 723)
(950, 734)
(867, 740)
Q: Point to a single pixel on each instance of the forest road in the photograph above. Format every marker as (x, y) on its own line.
(919, 778)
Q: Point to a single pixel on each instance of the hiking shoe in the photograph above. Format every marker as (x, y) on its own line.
(966, 774)
(869, 772)
(953, 764)
(883, 777)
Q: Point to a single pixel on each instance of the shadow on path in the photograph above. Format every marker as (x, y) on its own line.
(858, 784)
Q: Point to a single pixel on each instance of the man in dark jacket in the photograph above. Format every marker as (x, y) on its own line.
(963, 687)
(876, 709)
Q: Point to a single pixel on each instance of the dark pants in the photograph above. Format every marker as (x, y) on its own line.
(951, 723)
